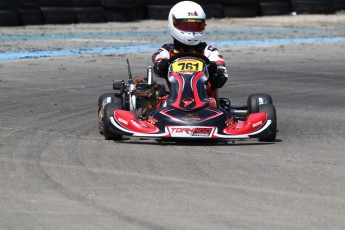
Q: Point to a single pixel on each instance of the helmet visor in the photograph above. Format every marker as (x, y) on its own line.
(190, 25)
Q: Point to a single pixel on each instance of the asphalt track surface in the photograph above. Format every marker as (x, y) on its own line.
(58, 172)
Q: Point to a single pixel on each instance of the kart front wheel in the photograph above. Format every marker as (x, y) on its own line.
(108, 114)
(103, 97)
(270, 110)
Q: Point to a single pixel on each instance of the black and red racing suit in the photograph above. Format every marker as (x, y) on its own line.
(216, 79)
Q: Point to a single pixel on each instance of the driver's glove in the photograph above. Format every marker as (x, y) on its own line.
(212, 69)
(161, 67)
(213, 74)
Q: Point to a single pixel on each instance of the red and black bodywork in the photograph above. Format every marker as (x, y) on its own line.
(186, 112)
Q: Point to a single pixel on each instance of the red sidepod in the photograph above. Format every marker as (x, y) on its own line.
(128, 121)
(253, 123)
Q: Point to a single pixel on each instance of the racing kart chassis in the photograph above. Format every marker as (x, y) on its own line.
(143, 108)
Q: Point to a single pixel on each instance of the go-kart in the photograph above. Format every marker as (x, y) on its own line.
(143, 108)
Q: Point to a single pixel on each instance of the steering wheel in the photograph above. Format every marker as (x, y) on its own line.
(196, 55)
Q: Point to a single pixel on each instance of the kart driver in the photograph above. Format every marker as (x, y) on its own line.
(186, 26)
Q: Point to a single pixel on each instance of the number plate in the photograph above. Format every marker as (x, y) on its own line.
(187, 65)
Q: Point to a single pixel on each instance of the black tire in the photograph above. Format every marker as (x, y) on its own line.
(85, 3)
(108, 113)
(103, 97)
(339, 5)
(61, 3)
(122, 3)
(5, 4)
(274, 8)
(230, 2)
(58, 15)
(257, 99)
(116, 16)
(173, 2)
(161, 12)
(275, 1)
(270, 110)
(9, 18)
(158, 12)
(29, 3)
(160, 2)
(89, 14)
(312, 6)
(240, 10)
(125, 14)
(213, 10)
(206, 2)
(30, 16)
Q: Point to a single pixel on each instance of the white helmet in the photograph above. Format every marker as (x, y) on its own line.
(187, 22)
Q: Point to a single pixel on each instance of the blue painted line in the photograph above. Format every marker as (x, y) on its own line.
(277, 41)
(153, 47)
(75, 52)
(154, 34)
(92, 35)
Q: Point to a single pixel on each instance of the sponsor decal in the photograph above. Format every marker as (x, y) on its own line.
(152, 120)
(261, 101)
(101, 113)
(106, 101)
(192, 117)
(190, 131)
(257, 124)
(123, 121)
(187, 101)
(193, 14)
(229, 122)
(142, 124)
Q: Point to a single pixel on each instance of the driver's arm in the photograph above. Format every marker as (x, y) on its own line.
(160, 62)
(219, 77)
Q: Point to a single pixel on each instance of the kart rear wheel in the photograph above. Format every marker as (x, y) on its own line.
(257, 99)
(108, 113)
(270, 110)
